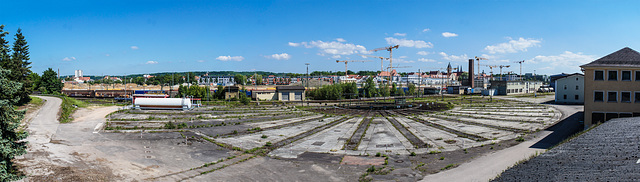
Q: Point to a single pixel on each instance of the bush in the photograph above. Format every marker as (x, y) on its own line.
(69, 106)
(412, 154)
(169, 125)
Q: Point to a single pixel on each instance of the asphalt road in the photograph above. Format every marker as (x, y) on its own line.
(45, 123)
(487, 167)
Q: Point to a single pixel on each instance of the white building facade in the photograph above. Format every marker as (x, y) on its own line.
(570, 89)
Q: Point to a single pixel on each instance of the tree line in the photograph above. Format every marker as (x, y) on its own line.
(17, 81)
(351, 91)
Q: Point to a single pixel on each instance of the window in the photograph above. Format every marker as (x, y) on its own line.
(598, 96)
(599, 75)
(612, 76)
(577, 97)
(612, 96)
(637, 97)
(626, 75)
(577, 87)
(565, 87)
(565, 96)
(625, 96)
(637, 75)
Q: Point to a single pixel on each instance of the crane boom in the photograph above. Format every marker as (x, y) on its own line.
(478, 59)
(390, 49)
(520, 62)
(381, 60)
(345, 64)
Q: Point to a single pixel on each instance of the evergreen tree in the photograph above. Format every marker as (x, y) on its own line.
(5, 58)
(10, 136)
(20, 68)
(50, 82)
(35, 81)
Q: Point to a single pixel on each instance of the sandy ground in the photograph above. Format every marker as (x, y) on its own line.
(54, 156)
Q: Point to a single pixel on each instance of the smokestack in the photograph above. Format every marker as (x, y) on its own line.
(471, 73)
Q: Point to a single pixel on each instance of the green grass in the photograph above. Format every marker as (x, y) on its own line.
(449, 167)
(69, 106)
(36, 101)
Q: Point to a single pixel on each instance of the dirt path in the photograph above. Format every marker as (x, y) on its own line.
(52, 153)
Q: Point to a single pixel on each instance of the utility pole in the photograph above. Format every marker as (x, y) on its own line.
(535, 92)
(420, 82)
(307, 81)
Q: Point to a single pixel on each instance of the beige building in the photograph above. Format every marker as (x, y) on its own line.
(290, 93)
(263, 95)
(231, 92)
(612, 87)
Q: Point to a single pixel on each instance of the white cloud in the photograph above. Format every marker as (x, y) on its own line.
(340, 40)
(567, 62)
(69, 59)
(426, 30)
(107, 55)
(489, 57)
(333, 47)
(336, 56)
(292, 44)
(134, 48)
(513, 46)
(400, 34)
(445, 56)
(409, 43)
(566, 59)
(402, 61)
(152, 62)
(449, 34)
(402, 57)
(424, 53)
(283, 56)
(230, 58)
(427, 60)
(201, 61)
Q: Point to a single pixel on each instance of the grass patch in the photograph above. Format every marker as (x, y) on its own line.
(37, 101)
(68, 107)
(449, 166)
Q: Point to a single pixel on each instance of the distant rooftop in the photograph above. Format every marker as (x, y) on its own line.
(608, 152)
(625, 57)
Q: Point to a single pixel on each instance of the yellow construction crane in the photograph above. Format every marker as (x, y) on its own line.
(390, 49)
(503, 66)
(520, 62)
(392, 67)
(381, 61)
(490, 68)
(345, 64)
(478, 59)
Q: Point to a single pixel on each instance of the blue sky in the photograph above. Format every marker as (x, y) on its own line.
(118, 37)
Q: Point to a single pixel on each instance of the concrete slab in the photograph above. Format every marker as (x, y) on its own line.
(254, 140)
(331, 140)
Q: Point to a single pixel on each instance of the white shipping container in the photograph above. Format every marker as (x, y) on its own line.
(184, 103)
